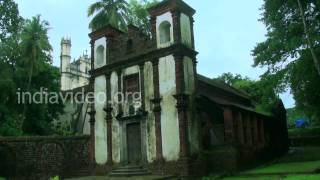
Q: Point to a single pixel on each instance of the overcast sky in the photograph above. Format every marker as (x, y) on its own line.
(225, 32)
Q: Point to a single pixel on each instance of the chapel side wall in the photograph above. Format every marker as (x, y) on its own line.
(169, 115)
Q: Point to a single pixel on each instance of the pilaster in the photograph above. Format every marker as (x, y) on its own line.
(157, 110)
(108, 109)
(176, 26)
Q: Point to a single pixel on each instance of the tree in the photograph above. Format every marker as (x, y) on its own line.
(10, 26)
(35, 49)
(140, 15)
(119, 14)
(109, 12)
(25, 65)
(309, 41)
(263, 95)
(291, 49)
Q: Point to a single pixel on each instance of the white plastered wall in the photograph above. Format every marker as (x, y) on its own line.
(169, 115)
(100, 125)
(115, 123)
(186, 30)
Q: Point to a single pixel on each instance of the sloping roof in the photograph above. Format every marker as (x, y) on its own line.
(234, 105)
(222, 86)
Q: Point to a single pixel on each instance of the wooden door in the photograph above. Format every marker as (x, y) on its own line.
(134, 143)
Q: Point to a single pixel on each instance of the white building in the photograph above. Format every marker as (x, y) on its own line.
(73, 74)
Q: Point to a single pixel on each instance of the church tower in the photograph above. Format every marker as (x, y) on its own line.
(65, 59)
(172, 23)
(172, 32)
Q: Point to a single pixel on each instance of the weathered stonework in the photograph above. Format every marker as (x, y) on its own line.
(181, 114)
(44, 157)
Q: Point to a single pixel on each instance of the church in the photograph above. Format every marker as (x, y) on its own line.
(182, 123)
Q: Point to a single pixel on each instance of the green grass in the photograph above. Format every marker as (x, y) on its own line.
(314, 131)
(298, 167)
(304, 177)
(290, 177)
(302, 154)
(300, 164)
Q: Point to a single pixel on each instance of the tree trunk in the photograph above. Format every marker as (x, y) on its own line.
(28, 87)
(309, 42)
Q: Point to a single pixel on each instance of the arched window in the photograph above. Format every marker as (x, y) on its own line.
(100, 55)
(164, 32)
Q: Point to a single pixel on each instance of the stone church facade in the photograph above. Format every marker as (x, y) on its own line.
(73, 74)
(180, 113)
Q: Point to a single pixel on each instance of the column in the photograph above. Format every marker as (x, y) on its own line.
(240, 128)
(228, 125)
(157, 109)
(120, 110)
(176, 26)
(262, 132)
(153, 22)
(108, 109)
(92, 121)
(248, 129)
(92, 54)
(142, 93)
(192, 32)
(182, 105)
(255, 130)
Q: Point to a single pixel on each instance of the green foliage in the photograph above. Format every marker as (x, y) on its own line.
(286, 52)
(263, 95)
(119, 14)
(140, 15)
(306, 132)
(297, 167)
(25, 63)
(109, 12)
(294, 114)
(55, 178)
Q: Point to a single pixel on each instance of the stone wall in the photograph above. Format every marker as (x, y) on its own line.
(43, 157)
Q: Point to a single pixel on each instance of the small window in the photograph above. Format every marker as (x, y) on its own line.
(131, 83)
(129, 45)
(100, 55)
(164, 31)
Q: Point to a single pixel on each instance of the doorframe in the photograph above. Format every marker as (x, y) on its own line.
(123, 138)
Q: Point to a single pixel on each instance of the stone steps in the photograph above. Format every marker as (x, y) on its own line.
(129, 171)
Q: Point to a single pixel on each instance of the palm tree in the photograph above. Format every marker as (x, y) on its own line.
(109, 12)
(35, 49)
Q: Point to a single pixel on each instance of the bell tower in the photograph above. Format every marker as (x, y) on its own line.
(175, 72)
(172, 23)
(65, 59)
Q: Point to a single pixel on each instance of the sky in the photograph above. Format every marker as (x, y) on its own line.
(226, 31)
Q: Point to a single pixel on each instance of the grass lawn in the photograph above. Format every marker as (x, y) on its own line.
(290, 177)
(297, 167)
(301, 154)
(314, 131)
(301, 163)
